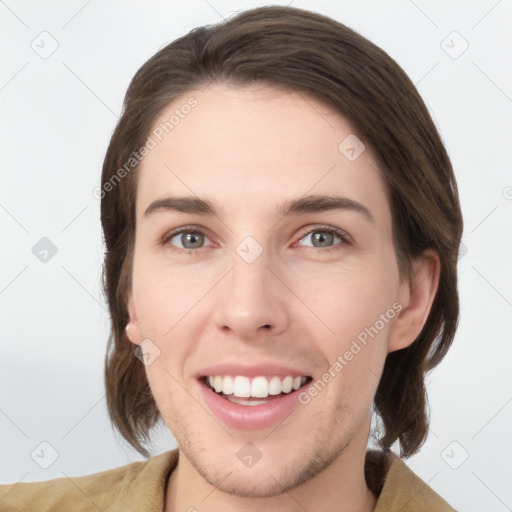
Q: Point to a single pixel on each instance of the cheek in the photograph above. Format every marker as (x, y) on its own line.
(357, 306)
(350, 299)
(164, 295)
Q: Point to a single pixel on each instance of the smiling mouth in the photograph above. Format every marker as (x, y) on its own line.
(259, 390)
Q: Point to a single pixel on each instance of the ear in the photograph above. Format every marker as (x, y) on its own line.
(132, 328)
(416, 298)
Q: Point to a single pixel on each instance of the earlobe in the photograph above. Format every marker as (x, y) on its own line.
(416, 298)
(132, 327)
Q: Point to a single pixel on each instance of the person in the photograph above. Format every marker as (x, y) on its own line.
(282, 225)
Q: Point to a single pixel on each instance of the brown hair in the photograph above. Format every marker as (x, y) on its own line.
(307, 52)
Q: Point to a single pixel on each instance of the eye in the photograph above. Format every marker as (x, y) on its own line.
(187, 238)
(321, 238)
(324, 237)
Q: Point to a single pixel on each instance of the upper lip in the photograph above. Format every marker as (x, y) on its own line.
(264, 369)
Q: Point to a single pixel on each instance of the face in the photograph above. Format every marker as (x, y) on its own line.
(263, 262)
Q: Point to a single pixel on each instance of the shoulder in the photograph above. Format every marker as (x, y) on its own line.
(91, 492)
(404, 490)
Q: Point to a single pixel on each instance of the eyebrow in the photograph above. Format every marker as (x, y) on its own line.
(306, 204)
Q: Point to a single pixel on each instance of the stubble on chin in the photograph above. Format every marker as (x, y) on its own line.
(264, 482)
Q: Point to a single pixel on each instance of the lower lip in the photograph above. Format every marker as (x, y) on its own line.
(249, 417)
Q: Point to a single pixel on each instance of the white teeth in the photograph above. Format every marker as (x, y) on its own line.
(228, 386)
(243, 401)
(259, 387)
(218, 383)
(287, 384)
(241, 388)
(274, 386)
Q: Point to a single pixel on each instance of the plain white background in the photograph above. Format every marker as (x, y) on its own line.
(58, 112)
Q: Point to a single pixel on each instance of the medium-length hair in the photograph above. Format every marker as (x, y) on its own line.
(314, 55)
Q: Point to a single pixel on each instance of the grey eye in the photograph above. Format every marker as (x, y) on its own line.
(188, 240)
(321, 238)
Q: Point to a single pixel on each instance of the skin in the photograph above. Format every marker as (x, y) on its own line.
(248, 150)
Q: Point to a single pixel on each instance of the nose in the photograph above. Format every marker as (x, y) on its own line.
(251, 301)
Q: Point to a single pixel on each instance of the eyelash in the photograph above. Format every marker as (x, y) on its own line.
(324, 229)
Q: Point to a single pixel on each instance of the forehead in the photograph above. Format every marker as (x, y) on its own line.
(256, 146)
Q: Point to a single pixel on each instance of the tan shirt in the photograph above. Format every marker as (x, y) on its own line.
(140, 487)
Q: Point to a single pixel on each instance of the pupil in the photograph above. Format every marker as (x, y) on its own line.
(192, 240)
(323, 238)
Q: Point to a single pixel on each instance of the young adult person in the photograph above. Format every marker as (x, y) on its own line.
(282, 226)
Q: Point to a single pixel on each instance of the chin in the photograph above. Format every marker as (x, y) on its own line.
(255, 483)
(270, 476)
